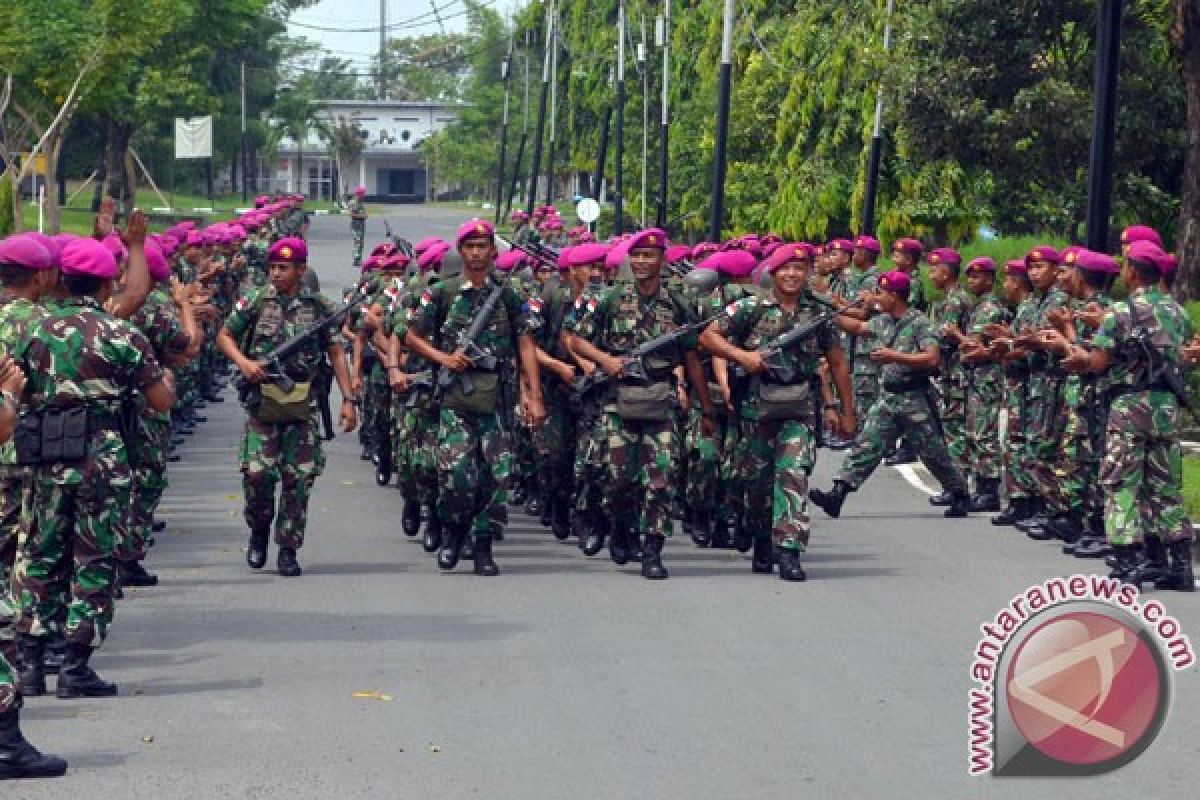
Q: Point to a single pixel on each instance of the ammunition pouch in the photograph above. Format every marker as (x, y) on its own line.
(58, 436)
(277, 406)
(483, 397)
(784, 401)
(653, 402)
(917, 383)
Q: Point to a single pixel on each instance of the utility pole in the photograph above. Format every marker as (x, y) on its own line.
(553, 110)
(506, 74)
(876, 151)
(662, 33)
(726, 79)
(642, 65)
(531, 197)
(245, 146)
(619, 184)
(1104, 123)
(516, 179)
(383, 49)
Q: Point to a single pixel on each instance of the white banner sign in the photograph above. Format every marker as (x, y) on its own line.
(193, 137)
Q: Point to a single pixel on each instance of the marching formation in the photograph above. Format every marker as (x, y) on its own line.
(617, 390)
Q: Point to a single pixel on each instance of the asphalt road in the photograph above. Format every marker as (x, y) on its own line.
(565, 677)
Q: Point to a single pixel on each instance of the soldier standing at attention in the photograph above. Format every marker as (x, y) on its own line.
(474, 448)
(280, 443)
(950, 313)
(638, 421)
(908, 356)
(1140, 347)
(358, 222)
(84, 368)
(779, 414)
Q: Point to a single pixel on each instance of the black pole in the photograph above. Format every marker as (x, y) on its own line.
(245, 168)
(516, 177)
(719, 159)
(868, 214)
(536, 167)
(1104, 124)
(618, 167)
(209, 179)
(660, 216)
(602, 156)
(503, 133)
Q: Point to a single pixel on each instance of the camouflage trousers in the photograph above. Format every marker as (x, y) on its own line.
(554, 445)
(1077, 465)
(983, 455)
(913, 413)
(1046, 416)
(358, 229)
(1142, 473)
(15, 487)
(9, 698)
(288, 454)
(1019, 483)
(866, 391)
(952, 410)
(76, 529)
(589, 464)
(639, 479)
(525, 465)
(474, 464)
(777, 457)
(377, 411)
(703, 459)
(414, 437)
(149, 483)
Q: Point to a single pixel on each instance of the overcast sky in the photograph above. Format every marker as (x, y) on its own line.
(410, 17)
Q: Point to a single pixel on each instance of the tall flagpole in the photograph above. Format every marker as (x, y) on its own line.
(619, 184)
(723, 91)
(663, 34)
(875, 153)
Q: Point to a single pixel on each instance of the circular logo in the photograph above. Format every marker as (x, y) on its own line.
(1085, 688)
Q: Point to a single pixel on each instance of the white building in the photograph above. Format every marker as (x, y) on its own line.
(390, 167)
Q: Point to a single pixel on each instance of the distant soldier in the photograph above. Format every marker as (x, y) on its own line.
(1140, 349)
(358, 222)
(950, 314)
(778, 415)
(909, 353)
(280, 444)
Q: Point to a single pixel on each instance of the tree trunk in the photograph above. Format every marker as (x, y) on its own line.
(53, 150)
(14, 176)
(1185, 35)
(118, 177)
(102, 169)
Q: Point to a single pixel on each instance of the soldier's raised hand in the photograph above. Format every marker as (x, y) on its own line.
(135, 228)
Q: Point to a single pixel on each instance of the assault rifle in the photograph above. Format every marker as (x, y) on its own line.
(402, 244)
(469, 345)
(545, 254)
(1161, 371)
(635, 363)
(773, 352)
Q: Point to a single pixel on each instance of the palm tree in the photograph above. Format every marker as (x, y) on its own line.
(296, 115)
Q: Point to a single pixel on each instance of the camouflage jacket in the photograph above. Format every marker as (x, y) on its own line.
(358, 211)
(80, 355)
(16, 316)
(446, 309)
(263, 320)
(158, 320)
(621, 319)
(1150, 314)
(988, 310)
(910, 333)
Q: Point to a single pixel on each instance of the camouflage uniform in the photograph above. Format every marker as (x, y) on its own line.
(1142, 473)
(985, 395)
(1046, 404)
(899, 408)
(288, 453)
(413, 412)
(863, 373)
(554, 440)
(158, 320)
(80, 356)
(358, 226)
(953, 309)
(474, 450)
(640, 456)
(1019, 483)
(777, 456)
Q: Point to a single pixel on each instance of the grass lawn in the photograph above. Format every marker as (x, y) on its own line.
(1191, 485)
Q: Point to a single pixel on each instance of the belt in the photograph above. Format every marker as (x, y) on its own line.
(908, 385)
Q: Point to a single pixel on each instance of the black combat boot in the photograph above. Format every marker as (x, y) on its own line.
(652, 566)
(635, 546)
(256, 549)
(1037, 517)
(764, 555)
(743, 536)
(700, 529)
(941, 500)
(468, 547)
(904, 455)
(960, 505)
(1067, 527)
(56, 653)
(545, 509)
(719, 536)
(134, 574)
(618, 544)
(534, 504)
(597, 530)
(20, 759)
(31, 673)
(431, 542)
(410, 517)
(520, 494)
(1154, 560)
(831, 502)
(452, 548)
(686, 524)
(1180, 576)
(158, 526)
(1125, 568)
(286, 563)
(1018, 509)
(77, 679)
(484, 564)
(789, 566)
(987, 496)
(1091, 546)
(560, 519)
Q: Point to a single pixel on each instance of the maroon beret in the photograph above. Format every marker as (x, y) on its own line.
(23, 250)
(981, 264)
(86, 256)
(474, 229)
(945, 255)
(910, 246)
(290, 250)
(651, 237)
(896, 281)
(788, 252)
(589, 253)
(1140, 233)
(868, 243)
(1043, 252)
